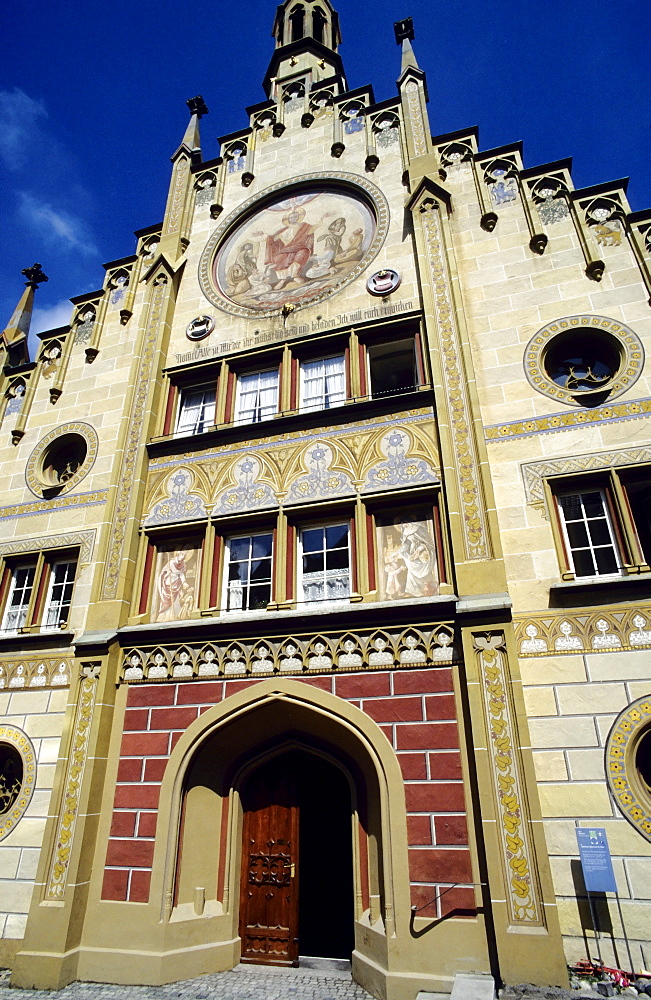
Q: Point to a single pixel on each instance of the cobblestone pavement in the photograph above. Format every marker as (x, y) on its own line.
(246, 982)
(250, 982)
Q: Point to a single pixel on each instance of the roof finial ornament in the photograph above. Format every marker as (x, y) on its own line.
(197, 106)
(404, 30)
(34, 275)
(14, 336)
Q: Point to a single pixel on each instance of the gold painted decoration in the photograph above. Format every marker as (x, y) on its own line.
(58, 869)
(136, 418)
(475, 530)
(366, 649)
(416, 123)
(294, 244)
(522, 890)
(67, 502)
(17, 776)
(364, 457)
(180, 184)
(603, 631)
(555, 422)
(628, 783)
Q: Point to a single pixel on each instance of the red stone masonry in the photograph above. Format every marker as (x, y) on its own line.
(414, 708)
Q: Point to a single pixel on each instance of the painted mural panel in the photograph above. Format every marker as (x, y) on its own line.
(294, 249)
(406, 553)
(175, 583)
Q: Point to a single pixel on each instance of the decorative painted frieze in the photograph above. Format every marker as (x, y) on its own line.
(555, 422)
(365, 457)
(43, 672)
(603, 630)
(318, 653)
(534, 474)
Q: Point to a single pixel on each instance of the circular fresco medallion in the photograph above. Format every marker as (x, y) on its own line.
(294, 245)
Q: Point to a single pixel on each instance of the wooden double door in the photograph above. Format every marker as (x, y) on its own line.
(296, 887)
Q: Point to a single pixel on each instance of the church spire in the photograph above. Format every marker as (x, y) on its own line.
(307, 37)
(14, 336)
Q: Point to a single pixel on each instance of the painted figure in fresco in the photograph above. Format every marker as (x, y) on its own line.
(175, 593)
(244, 265)
(267, 262)
(322, 264)
(289, 249)
(393, 569)
(354, 250)
(408, 559)
(419, 554)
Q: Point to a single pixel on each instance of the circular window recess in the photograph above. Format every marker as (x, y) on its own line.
(17, 776)
(584, 360)
(643, 760)
(61, 459)
(628, 764)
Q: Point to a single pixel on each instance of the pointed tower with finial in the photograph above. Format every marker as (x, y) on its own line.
(14, 336)
(186, 156)
(307, 38)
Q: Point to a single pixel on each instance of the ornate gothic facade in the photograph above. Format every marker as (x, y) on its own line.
(326, 597)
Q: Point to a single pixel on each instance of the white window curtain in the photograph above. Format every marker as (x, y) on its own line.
(197, 411)
(57, 606)
(22, 582)
(257, 397)
(325, 563)
(323, 383)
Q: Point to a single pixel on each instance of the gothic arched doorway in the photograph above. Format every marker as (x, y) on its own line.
(297, 867)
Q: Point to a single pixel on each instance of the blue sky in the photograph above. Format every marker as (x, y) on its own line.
(92, 105)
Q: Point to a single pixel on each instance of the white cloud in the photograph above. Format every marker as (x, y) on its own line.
(51, 317)
(19, 125)
(55, 225)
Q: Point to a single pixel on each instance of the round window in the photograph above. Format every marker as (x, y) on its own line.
(643, 759)
(584, 360)
(17, 776)
(11, 776)
(61, 459)
(628, 764)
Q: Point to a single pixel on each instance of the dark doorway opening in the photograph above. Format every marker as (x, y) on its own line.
(325, 908)
(297, 864)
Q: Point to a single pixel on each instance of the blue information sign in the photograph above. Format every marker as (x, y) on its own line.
(598, 873)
